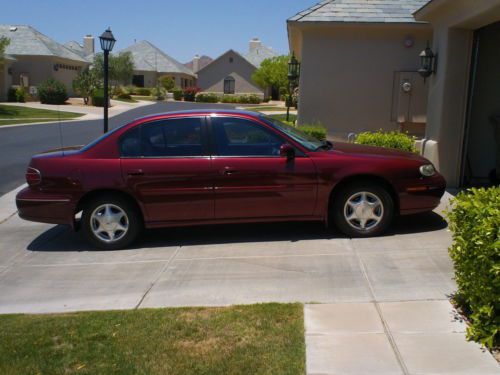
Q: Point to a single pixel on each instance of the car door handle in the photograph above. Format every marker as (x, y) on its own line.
(135, 172)
(229, 171)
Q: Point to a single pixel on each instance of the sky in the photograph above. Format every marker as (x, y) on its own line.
(180, 28)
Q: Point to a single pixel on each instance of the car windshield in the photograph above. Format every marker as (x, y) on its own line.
(309, 142)
(102, 137)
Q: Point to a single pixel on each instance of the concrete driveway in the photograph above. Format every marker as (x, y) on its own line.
(46, 268)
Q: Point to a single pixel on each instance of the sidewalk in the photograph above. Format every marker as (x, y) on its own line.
(413, 337)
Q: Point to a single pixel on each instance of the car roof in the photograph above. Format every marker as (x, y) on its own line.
(204, 111)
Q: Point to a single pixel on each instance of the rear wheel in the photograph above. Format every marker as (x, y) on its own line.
(362, 210)
(111, 223)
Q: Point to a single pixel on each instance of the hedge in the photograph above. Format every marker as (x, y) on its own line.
(315, 130)
(207, 98)
(177, 91)
(400, 141)
(475, 223)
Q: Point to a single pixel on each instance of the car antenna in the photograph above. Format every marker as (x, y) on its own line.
(60, 129)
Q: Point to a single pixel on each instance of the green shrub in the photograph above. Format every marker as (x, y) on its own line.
(21, 95)
(317, 131)
(143, 91)
(475, 224)
(400, 141)
(189, 93)
(241, 99)
(124, 95)
(11, 95)
(167, 82)
(229, 99)
(207, 98)
(98, 98)
(52, 92)
(177, 91)
(158, 93)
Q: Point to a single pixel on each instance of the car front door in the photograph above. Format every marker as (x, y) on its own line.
(167, 165)
(252, 180)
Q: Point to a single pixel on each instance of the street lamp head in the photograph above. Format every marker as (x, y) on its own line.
(293, 69)
(107, 40)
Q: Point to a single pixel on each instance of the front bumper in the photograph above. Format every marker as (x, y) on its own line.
(35, 205)
(422, 195)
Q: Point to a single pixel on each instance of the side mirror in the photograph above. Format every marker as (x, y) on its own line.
(287, 151)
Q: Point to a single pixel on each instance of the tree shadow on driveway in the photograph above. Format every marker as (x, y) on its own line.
(62, 238)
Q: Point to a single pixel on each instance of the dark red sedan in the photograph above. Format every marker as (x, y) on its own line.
(211, 167)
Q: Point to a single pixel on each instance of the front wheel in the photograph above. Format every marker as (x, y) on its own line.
(362, 210)
(110, 223)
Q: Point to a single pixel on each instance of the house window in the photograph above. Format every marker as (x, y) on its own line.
(138, 80)
(229, 85)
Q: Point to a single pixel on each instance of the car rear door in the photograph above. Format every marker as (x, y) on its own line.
(167, 165)
(251, 179)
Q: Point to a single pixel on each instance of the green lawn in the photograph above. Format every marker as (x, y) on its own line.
(255, 339)
(282, 117)
(10, 114)
(267, 109)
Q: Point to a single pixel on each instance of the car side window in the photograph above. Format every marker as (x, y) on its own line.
(240, 137)
(172, 138)
(130, 143)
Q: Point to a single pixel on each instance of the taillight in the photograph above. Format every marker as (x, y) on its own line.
(33, 176)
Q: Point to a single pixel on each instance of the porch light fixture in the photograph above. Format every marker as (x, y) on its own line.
(428, 62)
(107, 43)
(293, 77)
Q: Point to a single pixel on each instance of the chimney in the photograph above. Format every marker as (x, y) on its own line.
(196, 63)
(88, 45)
(255, 44)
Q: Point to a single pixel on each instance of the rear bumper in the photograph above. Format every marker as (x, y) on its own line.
(422, 196)
(34, 205)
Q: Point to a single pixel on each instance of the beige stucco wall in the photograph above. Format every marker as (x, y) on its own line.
(348, 74)
(41, 68)
(454, 22)
(211, 78)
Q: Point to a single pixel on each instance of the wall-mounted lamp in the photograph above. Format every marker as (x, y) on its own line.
(428, 62)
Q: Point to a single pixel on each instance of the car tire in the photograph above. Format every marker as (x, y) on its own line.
(111, 223)
(362, 205)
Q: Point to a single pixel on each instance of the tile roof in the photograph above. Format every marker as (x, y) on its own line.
(148, 57)
(259, 54)
(26, 41)
(375, 11)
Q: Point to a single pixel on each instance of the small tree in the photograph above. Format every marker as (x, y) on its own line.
(273, 72)
(121, 68)
(4, 42)
(167, 83)
(85, 83)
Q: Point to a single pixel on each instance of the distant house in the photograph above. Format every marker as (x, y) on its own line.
(231, 73)
(359, 65)
(35, 57)
(151, 63)
(198, 63)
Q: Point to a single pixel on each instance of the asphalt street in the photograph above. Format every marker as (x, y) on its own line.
(18, 144)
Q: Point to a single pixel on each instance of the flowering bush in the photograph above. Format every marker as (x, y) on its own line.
(190, 93)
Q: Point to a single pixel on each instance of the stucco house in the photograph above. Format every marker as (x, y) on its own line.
(359, 72)
(36, 57)
(231, 73)
(151, 63)
(463, 128)
(359, 65)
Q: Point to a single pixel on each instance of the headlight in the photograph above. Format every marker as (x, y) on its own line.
(427, 170)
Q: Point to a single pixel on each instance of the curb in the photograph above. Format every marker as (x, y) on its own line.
(8, 204)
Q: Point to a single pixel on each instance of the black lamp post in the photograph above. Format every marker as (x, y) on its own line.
(107, 43)
(293, 76)
(428, 61)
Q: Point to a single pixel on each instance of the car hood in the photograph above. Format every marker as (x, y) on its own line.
(363, 150)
